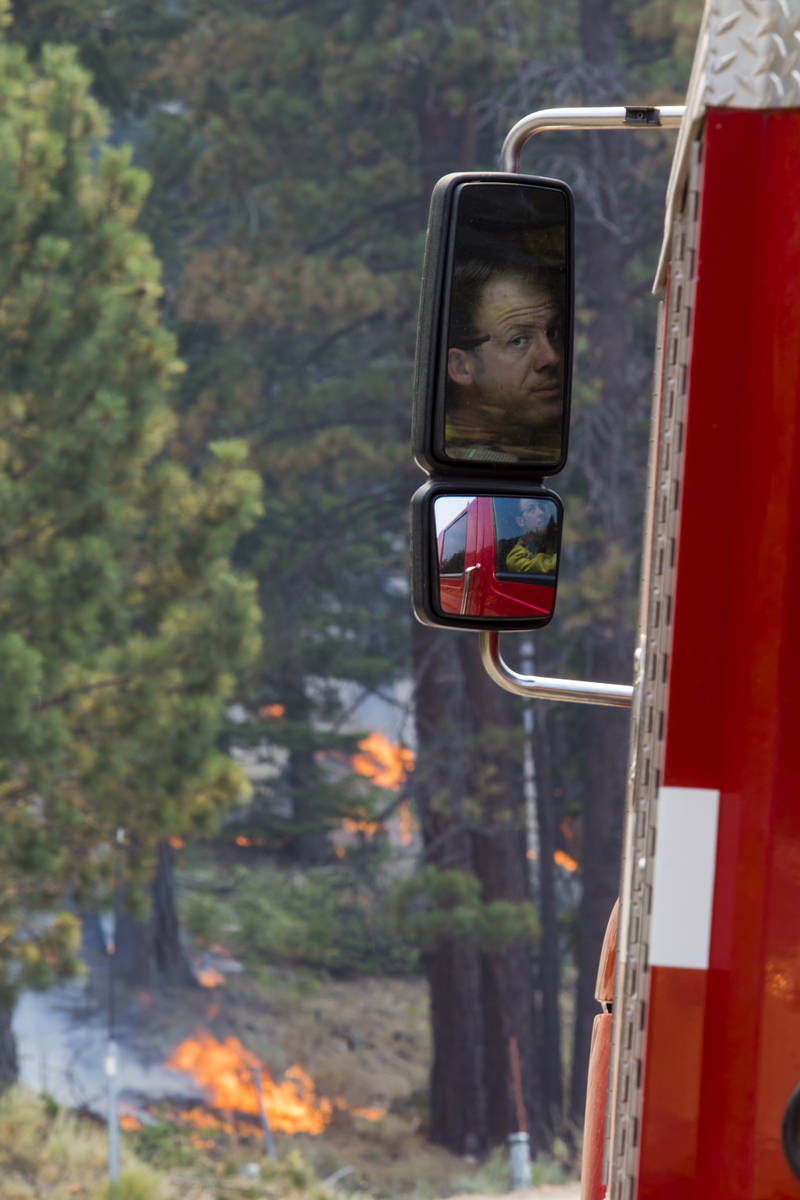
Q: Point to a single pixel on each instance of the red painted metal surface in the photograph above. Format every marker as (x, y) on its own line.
(723, 1046)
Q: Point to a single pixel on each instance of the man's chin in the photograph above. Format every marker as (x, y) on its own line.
(548, 399)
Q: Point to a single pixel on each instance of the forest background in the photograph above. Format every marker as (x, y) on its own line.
(206, 474)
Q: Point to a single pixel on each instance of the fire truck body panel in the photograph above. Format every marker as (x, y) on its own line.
(723, 1041)
(706, 1047)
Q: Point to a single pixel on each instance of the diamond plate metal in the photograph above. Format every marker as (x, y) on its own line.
(753, 54)
(650, 698)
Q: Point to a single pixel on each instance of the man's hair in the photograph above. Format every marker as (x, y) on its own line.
(471, 276)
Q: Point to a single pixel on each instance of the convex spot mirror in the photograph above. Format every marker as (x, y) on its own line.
(485, 558)
(494, 343)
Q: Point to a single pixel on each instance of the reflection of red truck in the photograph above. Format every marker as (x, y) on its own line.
(473, 579)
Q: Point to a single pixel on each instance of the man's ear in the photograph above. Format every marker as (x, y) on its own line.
(459, 366)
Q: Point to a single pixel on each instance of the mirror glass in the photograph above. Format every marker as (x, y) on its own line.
(497, 556)
(504, 371)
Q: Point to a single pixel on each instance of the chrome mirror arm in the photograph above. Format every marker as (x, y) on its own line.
(535, 687)
(639, 116)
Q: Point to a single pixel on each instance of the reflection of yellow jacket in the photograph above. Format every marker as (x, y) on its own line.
(519, 558)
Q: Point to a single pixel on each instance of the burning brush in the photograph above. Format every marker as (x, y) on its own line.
(238, 1083)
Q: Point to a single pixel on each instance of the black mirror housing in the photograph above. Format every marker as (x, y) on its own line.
(494, 345)
(485, 556)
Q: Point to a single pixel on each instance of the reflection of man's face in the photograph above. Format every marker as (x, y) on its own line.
(514, 375)
(533, 515)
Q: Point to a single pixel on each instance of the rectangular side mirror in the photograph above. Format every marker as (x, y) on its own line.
(494, 343)
(485, 558)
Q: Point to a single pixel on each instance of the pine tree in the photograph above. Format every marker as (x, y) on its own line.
(124, 623)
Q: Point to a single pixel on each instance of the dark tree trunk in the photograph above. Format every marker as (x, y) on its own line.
(606, 743)
(501, 865)
(469, 793)
(308, 839)
(150, 953)
(549, 981)
(172, 964)
(9, 1066)
(612, 458)
(458, 1105)
(458, 1117)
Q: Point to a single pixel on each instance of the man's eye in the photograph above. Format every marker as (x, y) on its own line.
(519, 340)
(555, 333)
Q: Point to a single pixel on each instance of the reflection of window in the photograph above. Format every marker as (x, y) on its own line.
(454, 547)
(525, 547)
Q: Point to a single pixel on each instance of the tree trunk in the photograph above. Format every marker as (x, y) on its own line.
(470, 800)
(9, 1066)
(606, 744)
(150, 953)
(308, 840)
(458, 1102)
(612, 459)
(549, 981)
(457, 1097)
(173, 967)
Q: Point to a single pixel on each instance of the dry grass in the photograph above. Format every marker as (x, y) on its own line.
(50, 1155)
(57, 1156)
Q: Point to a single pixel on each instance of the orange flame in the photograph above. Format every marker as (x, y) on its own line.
(229, 1072)
(560, 858)
(408, 824)
(210, 977)
(368, 828)
(176, 842)
(564, 860)
(241, 840)
(201, 1118)
(129, 1121)
(226, 1070)
(272, 711)
(386, 764)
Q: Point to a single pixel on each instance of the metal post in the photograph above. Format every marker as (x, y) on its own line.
(520, 1155)
(518, 1143)
(529, 789)
(113, 1115)
(262, 1112)
(111, 1052)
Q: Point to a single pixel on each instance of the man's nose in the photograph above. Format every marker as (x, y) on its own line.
(545, 353)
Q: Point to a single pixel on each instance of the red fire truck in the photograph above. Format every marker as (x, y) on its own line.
(695, 1076)
(705, 1054)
